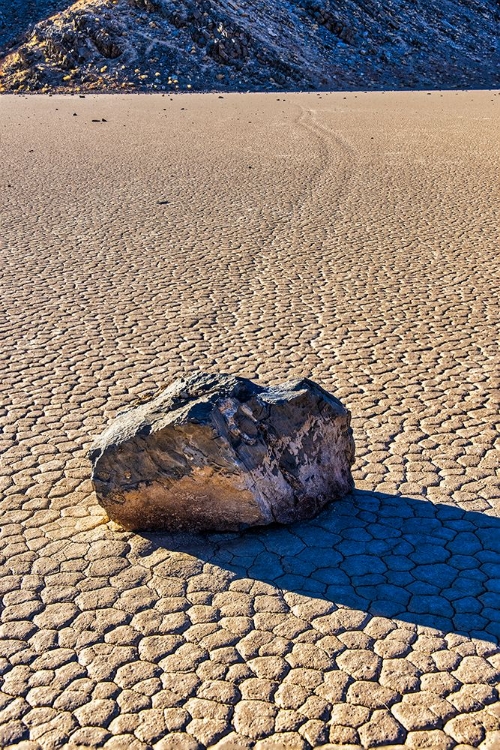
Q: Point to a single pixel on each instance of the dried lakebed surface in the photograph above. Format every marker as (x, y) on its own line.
(349, 237)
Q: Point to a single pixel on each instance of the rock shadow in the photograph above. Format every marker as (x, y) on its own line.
(407, 559)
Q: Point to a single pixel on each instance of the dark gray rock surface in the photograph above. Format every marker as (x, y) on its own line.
(220, 452)
(263, 45)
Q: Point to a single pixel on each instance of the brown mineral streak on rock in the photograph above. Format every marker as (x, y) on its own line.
(155, 505)
(220, 452)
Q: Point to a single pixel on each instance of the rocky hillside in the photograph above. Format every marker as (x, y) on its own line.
(147, 45)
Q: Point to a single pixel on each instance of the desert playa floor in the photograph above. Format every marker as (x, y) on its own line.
(348, 237)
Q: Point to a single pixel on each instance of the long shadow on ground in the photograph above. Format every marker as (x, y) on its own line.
(397, 557)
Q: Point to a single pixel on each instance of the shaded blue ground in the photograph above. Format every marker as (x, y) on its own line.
(397, 557)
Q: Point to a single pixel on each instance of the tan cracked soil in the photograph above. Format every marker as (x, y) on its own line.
(349, 237)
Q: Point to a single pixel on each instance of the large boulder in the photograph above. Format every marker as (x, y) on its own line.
(218, 452)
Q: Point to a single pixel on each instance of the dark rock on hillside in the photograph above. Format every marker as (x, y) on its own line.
(221, 452)
(169, 45)
(18, 17)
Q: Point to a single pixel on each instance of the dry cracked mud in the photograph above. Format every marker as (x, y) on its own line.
(348, 237)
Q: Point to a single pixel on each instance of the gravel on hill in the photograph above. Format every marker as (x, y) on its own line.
(167, 45)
